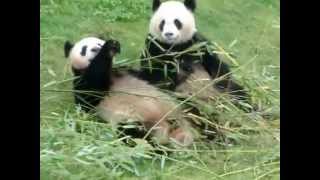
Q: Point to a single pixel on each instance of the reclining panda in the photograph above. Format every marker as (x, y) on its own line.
(119, 96)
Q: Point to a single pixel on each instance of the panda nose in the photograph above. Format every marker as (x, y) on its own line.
(168, 34)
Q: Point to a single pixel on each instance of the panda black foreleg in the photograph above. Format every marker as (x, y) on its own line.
(152, 76)
(216, 68)
(96, 79)
(98, 75)
(157, 75)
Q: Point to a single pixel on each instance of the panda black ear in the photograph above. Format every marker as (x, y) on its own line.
(190, 4)
(155, 5)
(67, 48)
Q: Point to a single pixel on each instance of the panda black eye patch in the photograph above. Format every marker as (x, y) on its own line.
(161, 25)
(83, 50)
(178, 23)
(96, 49)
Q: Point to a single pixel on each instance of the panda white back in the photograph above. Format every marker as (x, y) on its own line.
(84, 51)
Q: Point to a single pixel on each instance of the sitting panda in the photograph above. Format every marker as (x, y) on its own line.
(120, 95)
(172, 31)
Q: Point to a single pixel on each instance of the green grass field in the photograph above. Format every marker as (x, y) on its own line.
(76, 146)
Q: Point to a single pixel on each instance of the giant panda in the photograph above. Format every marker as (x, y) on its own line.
(120, 95)
(172, 31)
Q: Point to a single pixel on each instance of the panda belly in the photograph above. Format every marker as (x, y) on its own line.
(195, 82)
(134, 99)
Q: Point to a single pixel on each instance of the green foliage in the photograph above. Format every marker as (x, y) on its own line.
(110, 10)
(123, 10)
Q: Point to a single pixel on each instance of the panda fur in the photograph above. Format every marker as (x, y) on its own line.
(173, 29)
(122, 95)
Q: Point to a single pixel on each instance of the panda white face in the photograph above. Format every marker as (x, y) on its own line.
(172, 23)
(84, 51)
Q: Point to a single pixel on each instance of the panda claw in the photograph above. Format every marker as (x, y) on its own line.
(114, 46)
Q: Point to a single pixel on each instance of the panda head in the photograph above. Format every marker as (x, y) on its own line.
(82, 52)
(173, 22)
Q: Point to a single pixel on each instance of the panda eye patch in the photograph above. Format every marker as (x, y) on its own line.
(178, 23)
(161, 25)
(83, 50)
(96, 49)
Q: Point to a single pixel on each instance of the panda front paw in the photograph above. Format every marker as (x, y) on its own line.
(112, 46)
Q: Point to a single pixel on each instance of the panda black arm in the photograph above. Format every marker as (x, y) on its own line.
(92, 83)
(214, 66)
(211, 62)
(97, 77)
(98, 74)
(151, 50)
(217, 68)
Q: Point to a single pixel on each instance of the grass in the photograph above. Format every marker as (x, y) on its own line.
(75, 145)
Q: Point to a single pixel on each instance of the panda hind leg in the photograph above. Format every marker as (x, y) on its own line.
(182, 137)
(163, 133)
(160, 131)
(184, 134)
